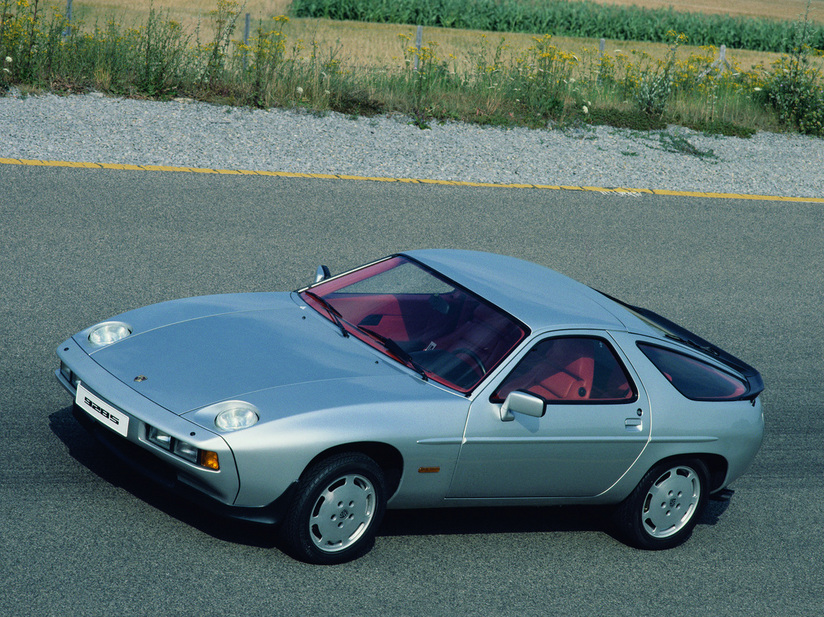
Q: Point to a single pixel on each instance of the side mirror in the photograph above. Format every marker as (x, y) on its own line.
(522, 402)
(322, 273)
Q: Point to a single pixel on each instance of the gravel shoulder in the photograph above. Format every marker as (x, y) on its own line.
(97, 129)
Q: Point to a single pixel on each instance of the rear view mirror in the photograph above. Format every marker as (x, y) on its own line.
(519, 401)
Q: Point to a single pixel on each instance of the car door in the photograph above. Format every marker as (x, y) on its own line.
(595, 425)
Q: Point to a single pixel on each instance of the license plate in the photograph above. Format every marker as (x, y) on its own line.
(102, 411)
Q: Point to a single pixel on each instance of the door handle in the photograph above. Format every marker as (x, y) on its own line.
(633, 424)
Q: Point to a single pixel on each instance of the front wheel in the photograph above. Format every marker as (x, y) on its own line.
(336, 511)
(665, 506)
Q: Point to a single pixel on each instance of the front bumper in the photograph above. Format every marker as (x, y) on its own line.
(214, 490)
(169, 478)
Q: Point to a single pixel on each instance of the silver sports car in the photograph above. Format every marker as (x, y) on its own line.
(426, 379)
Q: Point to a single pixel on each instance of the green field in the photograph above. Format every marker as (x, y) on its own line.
(579, 18)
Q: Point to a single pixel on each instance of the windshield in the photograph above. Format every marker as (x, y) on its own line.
(421, 319)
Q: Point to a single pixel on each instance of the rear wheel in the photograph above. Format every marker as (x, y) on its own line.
(336, 510)
(665, 506)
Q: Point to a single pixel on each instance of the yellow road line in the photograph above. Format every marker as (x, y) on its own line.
(286, 174)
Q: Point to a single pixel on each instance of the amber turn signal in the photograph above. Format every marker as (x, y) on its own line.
(208, 459)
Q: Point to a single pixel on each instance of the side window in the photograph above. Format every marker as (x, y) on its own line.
(570, 370)
(697, 380)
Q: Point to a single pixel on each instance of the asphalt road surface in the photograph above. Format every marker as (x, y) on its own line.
(80, 536)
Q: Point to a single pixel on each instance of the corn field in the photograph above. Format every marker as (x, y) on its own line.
(569, 18)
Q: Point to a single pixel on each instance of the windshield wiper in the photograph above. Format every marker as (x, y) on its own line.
(333, 312)
(396, 350)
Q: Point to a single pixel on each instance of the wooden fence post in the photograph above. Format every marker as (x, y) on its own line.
(246, 39)
(719, 66)
(418, 44)
(68, 29)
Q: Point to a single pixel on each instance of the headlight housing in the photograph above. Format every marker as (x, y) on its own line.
(183, 449)
(235, 415)
(109, 332)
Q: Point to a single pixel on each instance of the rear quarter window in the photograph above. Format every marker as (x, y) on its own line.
(694, 378)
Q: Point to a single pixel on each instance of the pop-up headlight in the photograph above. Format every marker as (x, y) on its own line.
(236, 415)
(109, 332)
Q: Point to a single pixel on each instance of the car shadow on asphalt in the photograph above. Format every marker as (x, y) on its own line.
(87, 451)
(517, 519)
(490, 520)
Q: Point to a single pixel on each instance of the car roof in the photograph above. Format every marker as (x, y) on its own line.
(540, 297)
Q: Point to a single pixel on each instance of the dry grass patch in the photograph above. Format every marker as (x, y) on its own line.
(358, 44)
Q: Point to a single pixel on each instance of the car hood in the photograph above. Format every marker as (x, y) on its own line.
(190, 363)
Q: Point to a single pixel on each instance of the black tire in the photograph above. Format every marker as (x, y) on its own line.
(665, 506)
(336, 510)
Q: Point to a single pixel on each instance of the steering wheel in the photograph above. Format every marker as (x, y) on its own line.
(472, 356)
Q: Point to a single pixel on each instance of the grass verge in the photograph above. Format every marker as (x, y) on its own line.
(486, 81)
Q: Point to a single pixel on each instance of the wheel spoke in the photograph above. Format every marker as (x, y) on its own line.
(671, 502)
(342, 513)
